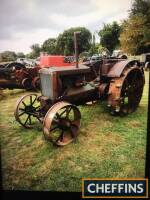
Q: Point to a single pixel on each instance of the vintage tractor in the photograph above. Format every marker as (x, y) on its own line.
(17, 75)
(120, 82)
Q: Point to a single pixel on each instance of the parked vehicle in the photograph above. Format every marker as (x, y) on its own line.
(119, 54)
(145, 60)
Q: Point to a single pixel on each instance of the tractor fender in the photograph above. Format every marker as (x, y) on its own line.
(118, 68)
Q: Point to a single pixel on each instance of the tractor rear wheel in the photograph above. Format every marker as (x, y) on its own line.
(126, 91)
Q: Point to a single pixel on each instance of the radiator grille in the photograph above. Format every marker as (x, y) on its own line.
(47, 85)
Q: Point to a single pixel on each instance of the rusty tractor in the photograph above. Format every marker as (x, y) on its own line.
(17, 75)
(119, 82)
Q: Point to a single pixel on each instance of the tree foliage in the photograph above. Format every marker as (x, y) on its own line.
(140, 7)
(95, 49)
(132, 38)
(65, 41)
(20, 55)
(109, 36)
(35, 51)
(49, 46)
(135, 36)
(7, 56)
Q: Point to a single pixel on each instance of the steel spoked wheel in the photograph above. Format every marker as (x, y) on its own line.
(61, 123)
(27, 110)
(125, 92)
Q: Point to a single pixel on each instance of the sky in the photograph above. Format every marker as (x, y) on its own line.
(26, 22)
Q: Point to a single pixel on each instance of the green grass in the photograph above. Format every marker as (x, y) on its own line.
(107, 146)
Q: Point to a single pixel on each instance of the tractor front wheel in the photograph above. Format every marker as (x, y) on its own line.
(27, 110)
(61, 123)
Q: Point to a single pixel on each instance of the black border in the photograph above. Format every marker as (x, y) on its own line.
(147, 161)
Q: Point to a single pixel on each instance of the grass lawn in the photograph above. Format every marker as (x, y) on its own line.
(106, 147)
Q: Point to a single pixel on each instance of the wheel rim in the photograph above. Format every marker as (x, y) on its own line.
(27, 109)
(61, 123)
(131, 91)
(36, 83)
(26, 83)
(125, 92)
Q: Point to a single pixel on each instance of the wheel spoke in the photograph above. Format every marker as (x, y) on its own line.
(27, 119)
(73, 129)
(21, 109)
(57, 115)
(33, 101)
(62, 113)
(39, 119)
(21, 113)
(37, 107)
(60, 137)
(30, 119)
(56, 127)
(24, 104)
(68, 111)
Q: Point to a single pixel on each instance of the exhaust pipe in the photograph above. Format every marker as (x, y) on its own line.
(76, 48)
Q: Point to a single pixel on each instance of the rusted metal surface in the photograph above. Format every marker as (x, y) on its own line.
(36, 82)
(105, 68)
(16, 75)
(76, 47)
(61, 123)
(126, 91)
(118, 68)
(103, 89)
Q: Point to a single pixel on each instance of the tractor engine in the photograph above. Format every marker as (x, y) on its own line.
(69, 84)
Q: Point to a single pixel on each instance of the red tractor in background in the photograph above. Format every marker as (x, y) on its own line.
(55, 60)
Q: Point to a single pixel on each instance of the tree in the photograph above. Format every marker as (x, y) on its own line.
(7, 56)
(103, 51)
(95, 49)
(109, 36)
(35, 51)
(20, 55)
(135, 36)
(65, 41)
(132, 37)
(49, 46)
(140, 7)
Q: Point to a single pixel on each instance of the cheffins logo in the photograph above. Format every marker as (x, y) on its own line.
(118, 188)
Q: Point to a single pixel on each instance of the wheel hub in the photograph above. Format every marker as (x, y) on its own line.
(29, 109)
(64, 124)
